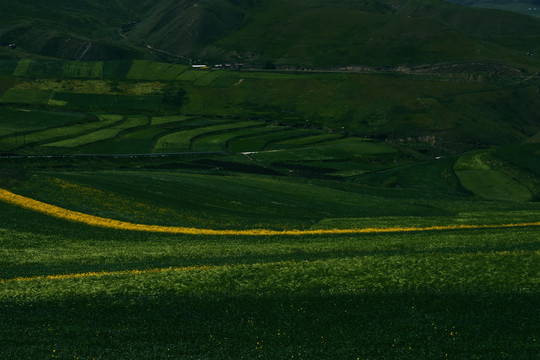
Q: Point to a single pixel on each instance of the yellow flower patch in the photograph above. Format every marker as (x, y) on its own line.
(71, 215)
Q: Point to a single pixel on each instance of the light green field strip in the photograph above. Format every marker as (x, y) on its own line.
(149, 70)
(100, 135)
(160, 120)
(92, 220)
(83, 69)
(27, 96)
(181, 140)
(73, 130)
(22, 67)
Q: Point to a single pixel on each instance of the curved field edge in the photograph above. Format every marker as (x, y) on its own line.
(92, 220)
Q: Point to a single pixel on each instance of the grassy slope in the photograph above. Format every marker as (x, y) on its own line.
(300, 33)
(319, 34)
(419, 295)
(393, 295)
(455, 109)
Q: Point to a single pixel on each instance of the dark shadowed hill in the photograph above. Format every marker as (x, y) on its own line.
(300, 33)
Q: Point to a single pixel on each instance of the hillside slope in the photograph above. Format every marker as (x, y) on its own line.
(302, 33)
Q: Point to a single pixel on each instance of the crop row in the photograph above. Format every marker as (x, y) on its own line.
(172, 133)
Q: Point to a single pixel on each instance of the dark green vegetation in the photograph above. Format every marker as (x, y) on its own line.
(213, 160)
(453, 294)
(531, 7)
(423, 112)
(391, 114)
(269, 33)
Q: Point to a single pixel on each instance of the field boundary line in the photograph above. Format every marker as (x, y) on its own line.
(66, 214)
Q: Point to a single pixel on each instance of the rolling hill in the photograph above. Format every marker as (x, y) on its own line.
(365, 186)
(273, 32)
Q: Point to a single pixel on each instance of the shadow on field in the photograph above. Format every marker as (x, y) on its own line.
(373, 324)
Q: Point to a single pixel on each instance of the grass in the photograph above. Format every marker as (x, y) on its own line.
(33, 97)
(62, 132)
(307, 140)
(22, 67)
(103, 134)
(132, 142)
(491, 184)
(159, 120)
(18, 120)
(181, 141)
(148, 70)
(386, 295)
(258, 142)
(80, 69)
(454, 109)
(476, 175)
(377, 151)
(218, 142)
(118, 102)
(339, 149)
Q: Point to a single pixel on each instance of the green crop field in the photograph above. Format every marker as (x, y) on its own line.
(78, 69)
(13, 120)
(117, 102)
(155, 211)
(102, 134)
(123, 294)
(219, 142)
(181, 141)
(32, 97)
(63, 131)
(148, 70)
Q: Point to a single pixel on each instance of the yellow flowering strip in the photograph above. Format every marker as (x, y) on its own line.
(105, 273)
(66, 214)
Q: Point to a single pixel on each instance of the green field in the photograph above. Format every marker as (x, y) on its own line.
(429, 294)
(440, 159)
(13, 120)
(148, 70)
(103, 134)
(78, 69)
(181, 141)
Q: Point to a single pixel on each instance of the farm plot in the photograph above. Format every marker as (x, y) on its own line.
(207, 79)
(192, 75)
(14, 120)
(83, 69)
(207, 201)
(149, 70)
(103, 134)
(475, 174)
(258, 143)
(133, 142)
(494, 185)
(109, 102)
(181, 140)
(219, 142)
(27, 96)
(65, 131)
(308, 140)
(340, 149)
(160, 120)
(22, 67)
(415, 295)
